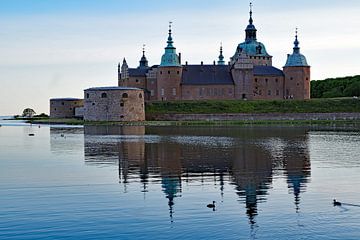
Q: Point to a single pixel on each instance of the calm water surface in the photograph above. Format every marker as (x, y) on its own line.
(155, 182)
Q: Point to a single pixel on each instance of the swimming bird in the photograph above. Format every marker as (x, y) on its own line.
(211, 205)
(31, 134)
(336, 203)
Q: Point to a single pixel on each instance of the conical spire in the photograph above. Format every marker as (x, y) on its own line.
(250, 29)
(251, 20)
(221, 57)
(170, 40)
(296, 42)
(170, 58)
(143, 60)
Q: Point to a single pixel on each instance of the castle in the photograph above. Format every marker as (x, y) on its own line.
(249, 75)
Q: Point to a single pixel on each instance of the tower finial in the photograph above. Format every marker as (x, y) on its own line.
(221, 56)
(143, 50)
(296, 43)
(251, 20)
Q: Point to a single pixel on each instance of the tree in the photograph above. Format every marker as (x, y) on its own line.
(28, 112)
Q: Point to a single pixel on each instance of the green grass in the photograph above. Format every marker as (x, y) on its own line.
(237, 106)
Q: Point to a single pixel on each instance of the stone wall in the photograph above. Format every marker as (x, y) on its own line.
(64, 107)
(207, 92)
(114, 104)
(253, 117)
(268, 88)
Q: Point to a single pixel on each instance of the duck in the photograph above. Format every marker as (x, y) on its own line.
(211, 205)
(336, 203)
(31, 134)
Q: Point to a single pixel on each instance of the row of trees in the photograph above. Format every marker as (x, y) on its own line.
(336, 87)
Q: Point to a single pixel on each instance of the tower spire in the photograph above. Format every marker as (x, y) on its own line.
(170, 40)
(250, 29)
(221, 57)
(170, 58)
(143, 61)
(251, 20)
(296, 42)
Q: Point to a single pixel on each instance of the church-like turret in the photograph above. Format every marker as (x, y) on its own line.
(251, 47)
(169, 73)
(297, 74)
(221, 57)
(143, 61)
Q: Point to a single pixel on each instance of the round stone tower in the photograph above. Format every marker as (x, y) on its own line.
(297, 74)
(169, 73)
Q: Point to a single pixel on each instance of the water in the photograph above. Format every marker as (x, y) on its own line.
(155, 182)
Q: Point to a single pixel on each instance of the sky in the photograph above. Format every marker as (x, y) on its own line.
(58, 48)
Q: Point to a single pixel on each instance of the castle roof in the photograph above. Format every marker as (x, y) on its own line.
(206, 75)
(111, 88)
(220, 74)
(65, 99)
(267, 71)
(296, 59)
(138, 72)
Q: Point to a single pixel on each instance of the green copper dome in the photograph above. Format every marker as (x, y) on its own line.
(170, 58)
(251, 46)
(296, 59)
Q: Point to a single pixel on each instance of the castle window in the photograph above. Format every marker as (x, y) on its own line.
(260, 92)
(277, 92)
(255, 79)
(62, 103)
(174, 91)
(168, 72)
(264, 58)
(160, 72)
(70, 108)
(307, 79)
(152, 93)
(87, 95)
(162, 92)
(122, 104)
(291, 78)
(55, 109)
(269, 92)
(140, 95)
(178, 72)
(298, 84)
(276, 80)
(266, 80)
(103, 95)
(137, 80)
(93, 104)
(122, 116)
(125, 95)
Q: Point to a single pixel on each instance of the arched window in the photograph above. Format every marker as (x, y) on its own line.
(103, 95)
(140, 95)
(125, 95)
(87, 95)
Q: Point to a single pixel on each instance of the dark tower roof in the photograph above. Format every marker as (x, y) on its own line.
(250, 29)
(143, 60)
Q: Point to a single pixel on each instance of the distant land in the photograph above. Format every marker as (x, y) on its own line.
(336, 87)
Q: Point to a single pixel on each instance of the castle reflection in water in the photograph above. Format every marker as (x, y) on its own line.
(249, 157)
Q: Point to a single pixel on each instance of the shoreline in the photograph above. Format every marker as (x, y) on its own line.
(200, 123)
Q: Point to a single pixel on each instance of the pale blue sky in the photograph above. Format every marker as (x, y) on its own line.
(56, 48)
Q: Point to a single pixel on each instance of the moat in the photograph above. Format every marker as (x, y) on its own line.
(147, 182)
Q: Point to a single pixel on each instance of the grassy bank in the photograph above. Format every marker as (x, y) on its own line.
(236, 106)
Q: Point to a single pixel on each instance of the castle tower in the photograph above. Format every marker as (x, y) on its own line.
(169, 73)
(251, 47)
(143, 61)
(297, 74)
(243, 74)
(221, 57)
(123, 74)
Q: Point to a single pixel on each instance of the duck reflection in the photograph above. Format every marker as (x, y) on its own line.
(250, 157)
